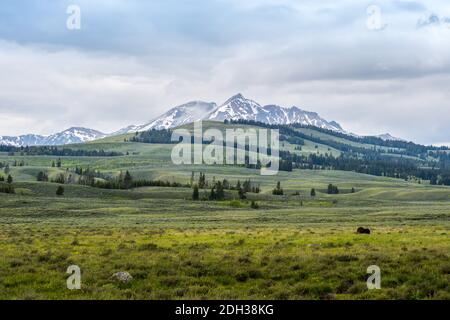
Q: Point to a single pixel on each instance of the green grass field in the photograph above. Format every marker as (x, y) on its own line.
(293, 247)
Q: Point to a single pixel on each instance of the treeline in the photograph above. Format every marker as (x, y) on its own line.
(332, 190)
(409, 147)
(55, 151)
(162, 136)
(6, 187)
(286, 133)
(203, 183)
(394, 167)
(347, 148)
(125, 181)
(95, 178)
(394, 147)
(217, 191)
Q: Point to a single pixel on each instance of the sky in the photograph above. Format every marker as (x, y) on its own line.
(372, 66)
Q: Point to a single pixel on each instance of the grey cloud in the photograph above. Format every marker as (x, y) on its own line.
(133, 60)
(409, 6)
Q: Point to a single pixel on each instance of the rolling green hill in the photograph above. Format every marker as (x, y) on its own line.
(260, 246)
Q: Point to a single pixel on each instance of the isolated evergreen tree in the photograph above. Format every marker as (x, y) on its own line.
(202, 181)
(212, 195)
(353, 190)
(127, 180)
(195, 193)
(61, 179)
(9, 179)
(278, 191)
(247, 186)
(192, 178)
(226, 184)
(220, 194)
(313, 192)
(42, 176)
(332, 189)
(60, 191)
(241, 194)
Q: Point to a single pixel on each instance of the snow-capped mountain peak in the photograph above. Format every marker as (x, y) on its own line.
(235, 108)
(74, 135)
(69, 136)
(23, 140)
(238, 107)
(388, 137)
(183, 114)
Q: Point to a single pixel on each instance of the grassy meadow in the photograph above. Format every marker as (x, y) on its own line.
(293, 246)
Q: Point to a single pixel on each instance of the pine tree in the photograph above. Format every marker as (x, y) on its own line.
(9, 179)
(42, 176)
(192, 178)
(278, 191)
(220, 194)
(247, 186)
(195, 193)
(127, 180)
(202, 181)
(313, 192)
(61, 179)
(332, 189)
(241, 193)
(60, 191)
(212, 195)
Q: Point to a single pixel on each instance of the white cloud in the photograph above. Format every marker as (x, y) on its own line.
(134, 61)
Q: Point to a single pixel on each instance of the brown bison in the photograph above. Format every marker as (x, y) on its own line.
(362, 230)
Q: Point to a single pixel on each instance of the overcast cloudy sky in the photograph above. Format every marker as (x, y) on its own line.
(132, 60)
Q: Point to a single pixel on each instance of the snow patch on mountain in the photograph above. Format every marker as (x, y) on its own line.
(69, 136)
(74, 135)
(23, 140)
(183, 114)
(388, 137)
(236, 108)
(130, 129)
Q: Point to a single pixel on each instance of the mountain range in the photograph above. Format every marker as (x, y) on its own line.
(72, 135)
(236, 108)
